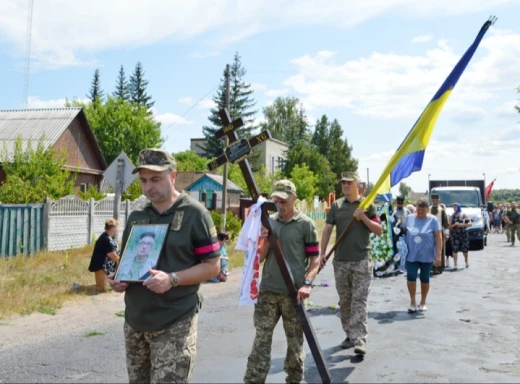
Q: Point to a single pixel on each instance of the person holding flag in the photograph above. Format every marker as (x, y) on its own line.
(353, 267)
(410, 155)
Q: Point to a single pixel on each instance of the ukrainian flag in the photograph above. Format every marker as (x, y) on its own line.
(409, 156)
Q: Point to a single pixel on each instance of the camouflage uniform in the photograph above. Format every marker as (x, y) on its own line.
(268, 309)
(299, 240)
(506, 225)
(165, 356)
(353, 282)
(353, 267)
(161, 329)
(514, 216)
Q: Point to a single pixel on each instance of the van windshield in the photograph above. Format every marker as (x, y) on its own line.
(467, 199)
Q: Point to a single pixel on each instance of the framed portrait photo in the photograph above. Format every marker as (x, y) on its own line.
(142, 251)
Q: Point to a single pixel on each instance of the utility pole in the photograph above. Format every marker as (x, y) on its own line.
(28, 38)
(368, 177)
(226, 143)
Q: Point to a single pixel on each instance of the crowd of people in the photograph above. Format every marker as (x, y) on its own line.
(161, 314)
(505, 218)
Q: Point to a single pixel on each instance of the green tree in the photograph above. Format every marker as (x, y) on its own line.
(120, 126)
(320, 138)
(190, 161)
(241, 104)
(133, 191)
(122, 88)
(34, 173)
(301, 154)
(305, 182)
(137, 87)
(96, 94)
(285, 120)
(340, 153)
(404, 189)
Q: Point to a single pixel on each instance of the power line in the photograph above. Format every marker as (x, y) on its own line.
(193, 106)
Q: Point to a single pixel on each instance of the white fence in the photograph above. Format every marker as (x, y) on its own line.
(71, 222)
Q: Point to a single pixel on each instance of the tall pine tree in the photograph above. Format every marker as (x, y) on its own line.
(122, 91)
(320, 139)
(340, 153)
(241, 104)
(137, 88)
(96, 94)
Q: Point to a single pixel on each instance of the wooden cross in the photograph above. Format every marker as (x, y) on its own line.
(237, 152)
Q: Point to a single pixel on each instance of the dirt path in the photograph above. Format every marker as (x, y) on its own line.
(82, 312)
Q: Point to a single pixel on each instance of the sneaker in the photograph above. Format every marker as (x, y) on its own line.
(347, 343)
(412, 309)
(422, 308)
(360, 350)
(447, 264)
(467, 265)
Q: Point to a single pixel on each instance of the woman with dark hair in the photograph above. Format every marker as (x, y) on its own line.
(459, 221)
(423, 236)
(104, 258)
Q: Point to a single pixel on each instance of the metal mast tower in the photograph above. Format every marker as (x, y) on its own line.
(27, 54)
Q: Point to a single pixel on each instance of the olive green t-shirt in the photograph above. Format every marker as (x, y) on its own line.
(191, 239)
(299, 240)
(514, 216)
(356, 244)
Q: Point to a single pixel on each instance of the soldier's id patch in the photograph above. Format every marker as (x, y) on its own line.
(213, 232)
(177, 220)
(145, 221)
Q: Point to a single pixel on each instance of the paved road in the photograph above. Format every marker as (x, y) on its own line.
(469, 334)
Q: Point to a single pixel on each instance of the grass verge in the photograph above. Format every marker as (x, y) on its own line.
(41, 282)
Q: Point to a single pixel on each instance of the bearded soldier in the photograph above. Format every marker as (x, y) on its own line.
(437, 211)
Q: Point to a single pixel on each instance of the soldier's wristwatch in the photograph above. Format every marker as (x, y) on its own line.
(175, 279)
(307, 282)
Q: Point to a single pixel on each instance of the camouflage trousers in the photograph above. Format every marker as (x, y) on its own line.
(353, 282)
(268, 309)
(514, 229)
(165, 356)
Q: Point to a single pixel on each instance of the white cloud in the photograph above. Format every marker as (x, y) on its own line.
(277, 92)
(34, 102)
(389, 85)
(206, 104)
(507, 110)
(167, 119)
(58, 39)
(422, 39)
(185, 100)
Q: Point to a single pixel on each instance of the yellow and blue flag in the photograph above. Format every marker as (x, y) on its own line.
(409, 156)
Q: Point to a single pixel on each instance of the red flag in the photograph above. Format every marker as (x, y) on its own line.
(488, 189)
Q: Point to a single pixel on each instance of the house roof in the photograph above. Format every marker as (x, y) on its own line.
(32, 124)
(219, 180)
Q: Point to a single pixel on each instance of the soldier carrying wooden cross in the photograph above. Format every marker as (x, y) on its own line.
(292, 262)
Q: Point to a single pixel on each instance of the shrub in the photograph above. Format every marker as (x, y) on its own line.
(233, 223)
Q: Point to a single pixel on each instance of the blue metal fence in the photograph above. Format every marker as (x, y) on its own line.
(21, 229)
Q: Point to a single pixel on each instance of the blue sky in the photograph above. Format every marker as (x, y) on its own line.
(372, 65)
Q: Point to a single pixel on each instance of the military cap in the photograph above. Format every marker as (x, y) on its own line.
(283, 189)
(348, 176)
(155, 159)
(435, 195)
(400, 199)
